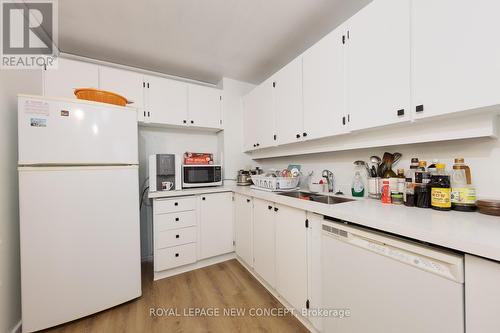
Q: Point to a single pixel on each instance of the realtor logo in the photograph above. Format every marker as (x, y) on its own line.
(29, 34)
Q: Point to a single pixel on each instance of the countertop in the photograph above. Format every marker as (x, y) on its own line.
(194, 191)
(472, 233)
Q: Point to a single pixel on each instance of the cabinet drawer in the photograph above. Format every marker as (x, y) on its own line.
(164, 222)
(174, 256)
(163, 206)
(175, 237)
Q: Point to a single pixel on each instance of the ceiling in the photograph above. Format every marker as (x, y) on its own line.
(204, 40)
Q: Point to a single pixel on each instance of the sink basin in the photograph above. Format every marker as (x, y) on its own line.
(326, 199)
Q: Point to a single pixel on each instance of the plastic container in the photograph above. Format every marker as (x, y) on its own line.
(275, 183)
(101, 96)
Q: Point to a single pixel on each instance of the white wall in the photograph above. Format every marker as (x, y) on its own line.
(12, 82)
(231, 137)
(170, 141)
(482, 155)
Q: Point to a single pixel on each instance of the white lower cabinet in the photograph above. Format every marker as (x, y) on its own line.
(291, 255)
(215, 224)
(482, 295)
(264, 240)
(314, 273)
(243, 224)
(189, 229)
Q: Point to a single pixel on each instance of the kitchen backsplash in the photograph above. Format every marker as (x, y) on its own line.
(482, 155)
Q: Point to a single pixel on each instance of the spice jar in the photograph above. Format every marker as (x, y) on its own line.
(440, 189)
(397, 198)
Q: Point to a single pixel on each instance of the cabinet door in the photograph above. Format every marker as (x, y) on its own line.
(314, 285)
(455, 56)
(378, 64)
(69, 75)
(126, 83)
(215, 224)
(205, 106)
(249, 131)
(482, 295)
(243, 220)
(324, 89)
(288, 102)
(264, 240)
(291, 255)
(166, 101)
(259, 116)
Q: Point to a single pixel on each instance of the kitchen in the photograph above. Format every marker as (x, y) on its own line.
(253, 183)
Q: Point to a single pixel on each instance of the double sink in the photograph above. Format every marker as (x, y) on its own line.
(314, 197)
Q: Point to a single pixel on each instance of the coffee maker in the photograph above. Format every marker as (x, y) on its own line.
(164, 172)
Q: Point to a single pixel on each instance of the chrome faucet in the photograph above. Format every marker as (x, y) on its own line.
(329, 178)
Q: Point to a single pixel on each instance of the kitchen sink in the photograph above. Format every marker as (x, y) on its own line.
(326, 199)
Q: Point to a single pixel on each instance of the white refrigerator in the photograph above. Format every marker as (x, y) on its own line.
(79, 209)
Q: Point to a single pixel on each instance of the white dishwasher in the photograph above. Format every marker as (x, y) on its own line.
(383, 284)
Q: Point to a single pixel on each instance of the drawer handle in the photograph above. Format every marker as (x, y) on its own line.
(269, 207)
(176, 219)
(248, 200)
(176, 236)
(176, 204)
(275, 209)
(177, 254)
(203, 198)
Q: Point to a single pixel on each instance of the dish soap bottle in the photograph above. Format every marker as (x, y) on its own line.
(358, 188)
(463, 193)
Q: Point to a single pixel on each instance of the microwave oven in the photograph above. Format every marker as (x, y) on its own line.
(201, 175)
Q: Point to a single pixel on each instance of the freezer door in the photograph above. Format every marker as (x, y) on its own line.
(65, 132)
(80, 251)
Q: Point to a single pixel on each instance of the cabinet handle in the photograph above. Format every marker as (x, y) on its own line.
(177, 254)
(176, 219)
(144, 113)
(184, 121)
(304, 134)
(401, 112)
(297, 136)
(258, 144)
(276, 209)
(248, 200)
(419, 108)
(343, 120)
(203, 198)
(176, 236)
(349, 118)
(176, 204)
(148, 85)
(192, 121)
(148, 113)
(254, 145)
(269, 207)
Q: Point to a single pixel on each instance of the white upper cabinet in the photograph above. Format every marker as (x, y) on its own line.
(259, 111)
(166, 101)
(70, 75)
(324, 89)
(378, 64)
(456, 55)
(126, 83)
(205, 106)
(288, 108)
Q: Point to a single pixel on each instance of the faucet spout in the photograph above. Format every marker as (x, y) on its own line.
(329, 178)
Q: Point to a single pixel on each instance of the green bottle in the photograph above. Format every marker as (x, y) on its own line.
(358, 188)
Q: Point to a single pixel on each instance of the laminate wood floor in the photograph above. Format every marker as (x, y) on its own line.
(227, 285)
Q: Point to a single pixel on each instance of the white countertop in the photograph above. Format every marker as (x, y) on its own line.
(472, 233)
(194, 191)
(467, 232)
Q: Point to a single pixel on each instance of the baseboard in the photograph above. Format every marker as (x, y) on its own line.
(196, 265)
(17, 328)
(283, 301)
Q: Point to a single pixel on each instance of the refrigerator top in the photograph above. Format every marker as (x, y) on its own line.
(56, 131)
